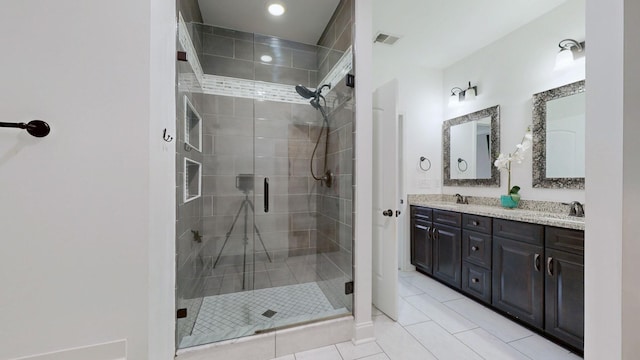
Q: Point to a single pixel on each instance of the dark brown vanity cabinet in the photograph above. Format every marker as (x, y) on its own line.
(564, 285)
(421, 240)
(476, 256)
(435, 243)
(518, 270)
(447, 241)
(533, 272)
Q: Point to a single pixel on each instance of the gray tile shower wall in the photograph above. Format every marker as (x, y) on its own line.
(335, 204)
(280, 139)
(190, 10)
(336, 38)
(238, 54)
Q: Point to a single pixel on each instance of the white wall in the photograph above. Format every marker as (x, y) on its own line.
(508, 73)
(612, 295)
(362, 262)
(77, 231)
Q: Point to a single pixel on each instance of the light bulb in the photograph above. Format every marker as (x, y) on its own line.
(564, 59)
(276, 9)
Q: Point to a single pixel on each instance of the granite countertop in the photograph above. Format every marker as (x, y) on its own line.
(524, 215)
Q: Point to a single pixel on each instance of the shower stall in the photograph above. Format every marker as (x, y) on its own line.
(264, 157)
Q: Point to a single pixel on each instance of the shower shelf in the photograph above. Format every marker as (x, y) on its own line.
(192, 180)
(192, 126)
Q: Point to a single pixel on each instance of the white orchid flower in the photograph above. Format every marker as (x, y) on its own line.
(503, 162)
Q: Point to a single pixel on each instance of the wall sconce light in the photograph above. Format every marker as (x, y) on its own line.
(569, 50)
(458, 94)
(471, 92)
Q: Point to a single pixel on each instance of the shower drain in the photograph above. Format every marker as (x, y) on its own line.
(269, 313)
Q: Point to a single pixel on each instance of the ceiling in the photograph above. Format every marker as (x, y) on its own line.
(438, 33)
(434, 33)
(304, 21)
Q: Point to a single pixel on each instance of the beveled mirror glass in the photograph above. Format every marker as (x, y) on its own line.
(559, 137)
(470, 144)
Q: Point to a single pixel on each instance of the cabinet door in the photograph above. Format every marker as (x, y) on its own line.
(421, 245)
(447, 264)
(518, 279)
(564, 297)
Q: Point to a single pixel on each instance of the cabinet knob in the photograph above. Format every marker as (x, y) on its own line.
(475, 280)
(387, 213)
(474, 248)
(475, 223)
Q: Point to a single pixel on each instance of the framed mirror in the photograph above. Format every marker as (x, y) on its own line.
(559, 137)
(470, 144)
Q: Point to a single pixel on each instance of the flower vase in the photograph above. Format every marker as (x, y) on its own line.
(508, 201)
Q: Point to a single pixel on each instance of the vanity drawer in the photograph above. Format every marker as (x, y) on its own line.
(449, 218)
(422, 213)
(481, 224)
(565, 239)
(476, 282)
(519, 231)
(476, 248)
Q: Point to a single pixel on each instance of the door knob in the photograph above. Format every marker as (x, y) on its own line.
(387, 213)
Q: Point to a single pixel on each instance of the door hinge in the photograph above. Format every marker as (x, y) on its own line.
(350, 81)
(182, 56)
(181, 313)
(348, 287)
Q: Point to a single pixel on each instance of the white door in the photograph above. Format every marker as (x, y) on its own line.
(386, 199)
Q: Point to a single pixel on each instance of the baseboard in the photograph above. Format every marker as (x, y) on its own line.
(116, 350)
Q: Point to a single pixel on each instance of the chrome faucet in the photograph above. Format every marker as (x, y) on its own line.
(575, 208)
(461, 199)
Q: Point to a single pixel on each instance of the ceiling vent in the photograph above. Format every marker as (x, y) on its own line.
(386, 39)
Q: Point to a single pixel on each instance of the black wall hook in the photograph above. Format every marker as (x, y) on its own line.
(37, 128)
(166, 137)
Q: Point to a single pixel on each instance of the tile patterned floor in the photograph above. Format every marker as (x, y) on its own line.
(437, 323)
(232, 311)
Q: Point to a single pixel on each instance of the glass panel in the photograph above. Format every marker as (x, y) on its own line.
(261, 260)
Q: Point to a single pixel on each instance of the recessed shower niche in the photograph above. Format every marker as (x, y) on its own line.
(192, 180)
(192, 127)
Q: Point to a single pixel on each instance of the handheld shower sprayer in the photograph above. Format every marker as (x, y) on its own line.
(315, 96)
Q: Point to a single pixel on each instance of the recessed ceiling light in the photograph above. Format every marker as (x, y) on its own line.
(266, 58)
(276, 9)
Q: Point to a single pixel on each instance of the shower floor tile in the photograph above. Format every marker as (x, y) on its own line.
(238, 314)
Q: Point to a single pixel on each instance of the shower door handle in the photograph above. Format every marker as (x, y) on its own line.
(266, 194)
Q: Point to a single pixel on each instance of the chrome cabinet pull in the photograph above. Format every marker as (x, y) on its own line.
(536, 262)
(475, 280)
(550, 266)
(474, 248)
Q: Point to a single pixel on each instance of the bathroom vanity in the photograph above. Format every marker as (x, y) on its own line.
(526, 264)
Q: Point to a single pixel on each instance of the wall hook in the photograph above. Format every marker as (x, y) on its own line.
(423, 159)
(37, 128)
(166, 137)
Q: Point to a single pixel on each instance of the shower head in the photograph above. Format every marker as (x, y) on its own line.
(306, 93)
